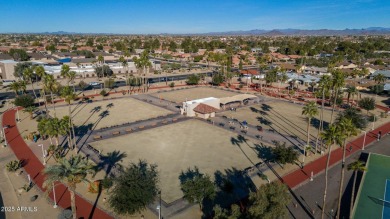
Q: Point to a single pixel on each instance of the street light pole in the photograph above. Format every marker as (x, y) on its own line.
(54, 196)
(17, 113)
(5, 139)
(43, 154)
(364, 139)
(159, 206)
(373, 123)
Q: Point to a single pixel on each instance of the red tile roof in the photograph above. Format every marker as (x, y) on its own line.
(249, 72)
(204, 109)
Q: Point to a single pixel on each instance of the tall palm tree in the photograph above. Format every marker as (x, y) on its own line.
(309, 110)
(348, 129)
(337, 83)
(143, 63)
(71, 77)
(331, 136)
(65, 72)
(40, 72)
(70, 173)
(28, 75)
(324, 85)
(351, 91)
(100, 59)
(51, 85)
(68, 94)
(357, 166)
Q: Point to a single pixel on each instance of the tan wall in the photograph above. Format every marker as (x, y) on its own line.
(7, 70)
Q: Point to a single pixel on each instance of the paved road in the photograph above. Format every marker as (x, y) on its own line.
(308, 194)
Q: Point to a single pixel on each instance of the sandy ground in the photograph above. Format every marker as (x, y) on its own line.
(179, 96)
(284, 117)
(111, 112)
(174, 148)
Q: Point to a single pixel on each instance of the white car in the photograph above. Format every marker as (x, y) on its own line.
(94, 83)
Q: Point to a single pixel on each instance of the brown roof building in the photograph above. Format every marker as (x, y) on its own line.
(205, 109)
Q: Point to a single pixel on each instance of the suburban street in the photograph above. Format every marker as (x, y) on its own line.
(307, 196)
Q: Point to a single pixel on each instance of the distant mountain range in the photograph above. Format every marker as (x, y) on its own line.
(260, 32)
(300, 32)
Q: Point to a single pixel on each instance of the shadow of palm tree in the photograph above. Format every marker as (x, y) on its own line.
(109, 161)
(96, 109)
(110, 105)
(266, 107)
(264, 121)
(316, 123)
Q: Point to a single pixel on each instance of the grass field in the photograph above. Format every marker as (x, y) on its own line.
(179, 96)
(111, 112)
(372, 188)
(283, 117)
(176, 147)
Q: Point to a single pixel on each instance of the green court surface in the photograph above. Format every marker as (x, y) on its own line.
(374, 190)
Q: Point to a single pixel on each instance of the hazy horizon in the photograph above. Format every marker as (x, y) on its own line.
(189, 17)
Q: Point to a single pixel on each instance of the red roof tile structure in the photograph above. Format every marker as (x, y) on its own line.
(249, 72)
(205, 109)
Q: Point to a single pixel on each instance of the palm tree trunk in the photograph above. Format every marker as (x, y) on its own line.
(342, 178)
(32, 85)
(326, 182)
(70, 124)
(321, 118)
(334, 105)
(352, 194)
(57, 141)
(73, 203)
(54, 103)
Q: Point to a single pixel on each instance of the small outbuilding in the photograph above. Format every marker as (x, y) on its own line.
(189, 106)
(205, 111)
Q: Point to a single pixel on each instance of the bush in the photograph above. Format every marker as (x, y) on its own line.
(193, 80)
(172, 84)
(103, 93)
(106, 183)
(13, 166)
(24, 100)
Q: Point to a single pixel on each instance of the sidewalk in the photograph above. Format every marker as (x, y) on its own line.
(34, 167)
(301, 176)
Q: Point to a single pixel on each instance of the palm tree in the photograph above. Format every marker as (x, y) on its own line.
(23, 86)
(51, 85)
(65, 72)
(309, 110)
(15, 86)
(70, 173)
(379, 78)
(324, 84)
(143, 63)
(40, 72)
(28, 75)
(348, 129)
(68, 94)
(337, 84)
(357, 166)
(100, 59)
(351, 91)
(330, 136)
(71, 77)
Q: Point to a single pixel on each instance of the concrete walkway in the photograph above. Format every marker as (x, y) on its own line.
(34, 167)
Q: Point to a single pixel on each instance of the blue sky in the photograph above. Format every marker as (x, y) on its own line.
(188, 16)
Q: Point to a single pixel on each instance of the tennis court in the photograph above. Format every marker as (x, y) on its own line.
(373, 198)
